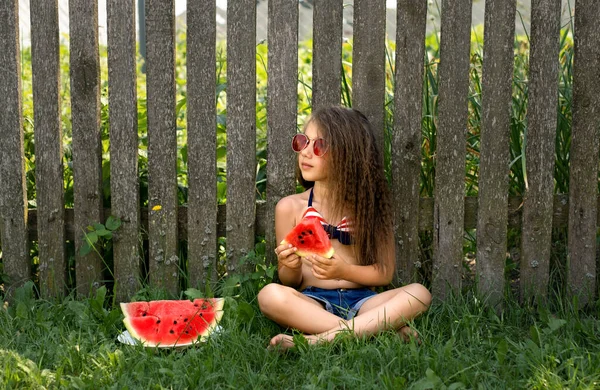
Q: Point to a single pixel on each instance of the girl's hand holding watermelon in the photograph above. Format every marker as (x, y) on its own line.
(287, 257)
(328, 268)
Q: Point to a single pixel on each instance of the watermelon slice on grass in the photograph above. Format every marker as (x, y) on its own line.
(309, 237)
(172, 323)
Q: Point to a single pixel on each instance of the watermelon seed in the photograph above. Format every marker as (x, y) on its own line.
(195, 304)
(185, 320)
(300, 236)
(310, 232)
(301, 241)
(201, 315)
(144, 314)
(158, 321)
(171, 331)
(174, 322)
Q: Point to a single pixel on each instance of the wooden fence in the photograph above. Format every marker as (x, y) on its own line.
(202, 221)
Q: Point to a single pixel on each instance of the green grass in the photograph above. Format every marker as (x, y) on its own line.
(465, 344)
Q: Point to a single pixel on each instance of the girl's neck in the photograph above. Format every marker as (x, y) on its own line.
(320, 192)
(321, 200)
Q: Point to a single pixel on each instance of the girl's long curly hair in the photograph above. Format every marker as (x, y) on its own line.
(357, 185)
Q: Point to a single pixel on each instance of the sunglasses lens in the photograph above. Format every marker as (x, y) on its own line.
(299, 142)
(320, 147)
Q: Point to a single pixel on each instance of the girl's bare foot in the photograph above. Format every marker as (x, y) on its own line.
(407, 334)
(284, 341)
(281, 341)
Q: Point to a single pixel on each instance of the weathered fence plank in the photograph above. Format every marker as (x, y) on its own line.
(122, 103)
(87, 146)
(368, 63)
(541, 135)
(13, 197)
(327, 53)
(281, 109)
(202, 143)
(583, 174)
(241, 130)
(406, 138)
(162, 144)
(453, 72)
(498, 65)
(45, 56)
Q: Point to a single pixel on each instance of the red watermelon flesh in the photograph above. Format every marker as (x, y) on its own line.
(309, 237)
(170, 323)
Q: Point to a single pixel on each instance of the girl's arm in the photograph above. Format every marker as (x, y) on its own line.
(289, 265)
(366, 275)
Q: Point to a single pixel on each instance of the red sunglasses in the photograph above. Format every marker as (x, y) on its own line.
(301, 141)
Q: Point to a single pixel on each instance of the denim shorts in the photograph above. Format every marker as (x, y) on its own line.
(343, 302)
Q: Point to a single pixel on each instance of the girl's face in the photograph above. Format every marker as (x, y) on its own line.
(313, 167)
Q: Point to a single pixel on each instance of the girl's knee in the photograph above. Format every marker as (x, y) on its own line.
(271, 296)
(419, 292)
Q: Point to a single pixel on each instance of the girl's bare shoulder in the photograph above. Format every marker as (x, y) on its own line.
(293, 204)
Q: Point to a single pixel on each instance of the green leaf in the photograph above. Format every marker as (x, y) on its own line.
(85, 249)
(230, 285)
(430, 381)
(22, 310)
(97, 303)
(104, 233)
(113, 223)
(501, 351)
(556, 323)
(534, 333)
(222, 191)
(221, 152)
(91, 238)
(193, 293)
(98, 226)
(245, 311)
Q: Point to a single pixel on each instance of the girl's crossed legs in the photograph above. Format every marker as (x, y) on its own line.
(391, 309)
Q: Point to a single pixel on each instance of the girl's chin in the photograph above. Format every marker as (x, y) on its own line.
(313, 178)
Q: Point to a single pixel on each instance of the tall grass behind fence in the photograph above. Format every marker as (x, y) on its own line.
(471, 121)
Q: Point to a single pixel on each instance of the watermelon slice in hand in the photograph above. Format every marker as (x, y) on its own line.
(309, 237)
(170, 323)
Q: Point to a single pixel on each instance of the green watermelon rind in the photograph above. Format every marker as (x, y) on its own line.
(217, 304)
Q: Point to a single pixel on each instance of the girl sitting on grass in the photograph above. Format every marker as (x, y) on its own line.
(341, 165)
